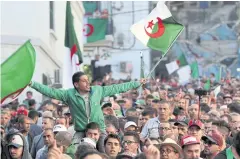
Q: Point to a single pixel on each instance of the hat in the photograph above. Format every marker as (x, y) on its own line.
(107, 104)
(48, 114)
(150, 96)
(140, 102)
(59, 127)
(195, 123)
(16, 141)
(173, 144)
(215, 113)
(215, 138)
(22, 111)
(227, 96)
(183, 122)
(63, 138)
(130, 123)
(89, 141)
(189, 140)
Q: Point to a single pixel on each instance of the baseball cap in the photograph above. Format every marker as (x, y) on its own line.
(22, 111)
(126, 155)
(63, 138)
(107, 104)
(183, 122)
(130, 123)
(227, 96)
(189, 140)
(16, 141)
(59, 127)
(89, 141)
(195, 123)
(215, 138)
(140, 102)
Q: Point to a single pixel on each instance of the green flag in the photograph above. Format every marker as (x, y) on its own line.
(194, 70)
(95, 29)
(207, 85)
(158, 30)
(182, 61)
(219, 74)
(17, 72)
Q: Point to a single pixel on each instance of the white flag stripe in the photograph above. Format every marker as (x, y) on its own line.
(217, 90)
(171, 67)
(137, 29)
(184, 74)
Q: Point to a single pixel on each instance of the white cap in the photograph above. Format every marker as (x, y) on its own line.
(89, 141)
(59, 127)
(16, 141)
(130, 123)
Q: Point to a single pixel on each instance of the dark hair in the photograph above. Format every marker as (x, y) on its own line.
(31, 102)
(76, 76)
(33, 114)
(114, 136)
(236, 142)
(134, 135)
(150, 112)
(22, 119)
(234, 107)
(204, 107)
(29, 92)
(93, 125)
(90, 152)
(221, 123)
(110, 119)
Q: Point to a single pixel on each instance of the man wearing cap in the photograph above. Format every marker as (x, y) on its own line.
(169, 149)
(63, 141)
(130, 126)
(107, 109)
(195, 128)
(182, 128)
(212, 144)
(57, 128)
(227, 99)
(17, 147)
(84, 100)
(191, 147)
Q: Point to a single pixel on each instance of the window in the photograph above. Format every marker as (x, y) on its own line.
(229, 2)
(193, 4)
(214, 3)
(52, 15)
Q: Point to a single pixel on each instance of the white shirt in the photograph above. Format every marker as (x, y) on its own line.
(151, 129)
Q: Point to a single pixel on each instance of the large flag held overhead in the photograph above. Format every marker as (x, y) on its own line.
(94, 29)
(17, 72)
(73, 56)
(158, 30)
(175, 65)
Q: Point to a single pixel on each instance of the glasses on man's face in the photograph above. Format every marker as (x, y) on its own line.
(128, 142)
(167, 151)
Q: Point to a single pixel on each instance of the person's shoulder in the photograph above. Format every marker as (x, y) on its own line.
(221, 155)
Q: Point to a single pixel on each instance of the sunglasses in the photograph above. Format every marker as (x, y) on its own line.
(209, 143)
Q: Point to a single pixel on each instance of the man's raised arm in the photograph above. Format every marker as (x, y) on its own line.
(50, 92)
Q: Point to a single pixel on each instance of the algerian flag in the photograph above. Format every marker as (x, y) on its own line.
(207, 85)
(73, 55)
(158, 30)
(217, 90)
(175, 65)
(195, 71)
(17, 72)
(94, 29)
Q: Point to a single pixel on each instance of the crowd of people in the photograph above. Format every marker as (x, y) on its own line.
(110, 119)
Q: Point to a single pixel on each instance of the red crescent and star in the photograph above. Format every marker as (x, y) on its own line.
(91, 29)
(160, 30)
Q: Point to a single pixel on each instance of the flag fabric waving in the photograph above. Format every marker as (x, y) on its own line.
(175, 65)
(158, 30)
(17, 72)
(94, 29)
(194, 70)
(73, 56)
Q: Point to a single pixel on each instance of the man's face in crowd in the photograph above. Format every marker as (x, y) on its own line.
(204, 100)
(25, 125)
(195, 131)
(210, 148)
(182, 130)
(168, 152)
(164, 112)
(107, 111)
(129, 144)
(131, 128)
(236, 128)
(145, 119)
(192, 151)
(165, 128)
(61, 121)
(127, 104)
(155, 105)
(111, 130)
(227, 101)
(49, 107)
(46, 123)
(112, 147)
(93, 133)
(182, 103)
(48, 138)
(5, 119)
(174, 128)
(15, 153)
(193, 111)
(29, 95)
(207, 127)
(83, 84)
(235, 119)
(149, 101)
